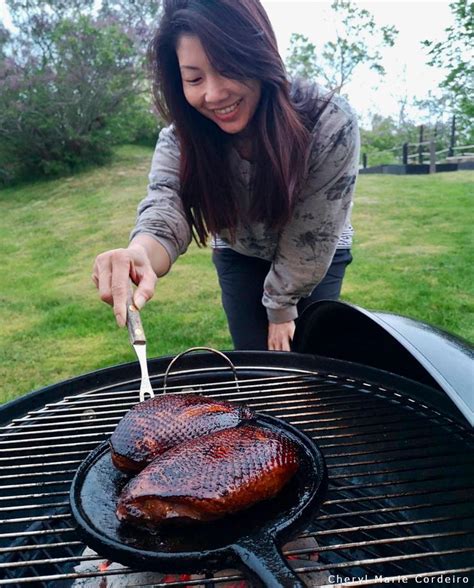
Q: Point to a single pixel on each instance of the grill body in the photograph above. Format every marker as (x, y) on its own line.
(399, 458)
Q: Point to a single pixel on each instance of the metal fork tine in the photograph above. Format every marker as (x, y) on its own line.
(145, 384)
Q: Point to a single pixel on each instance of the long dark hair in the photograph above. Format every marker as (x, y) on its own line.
(240, 44)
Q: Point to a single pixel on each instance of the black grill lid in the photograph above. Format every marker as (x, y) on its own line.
(391, 342)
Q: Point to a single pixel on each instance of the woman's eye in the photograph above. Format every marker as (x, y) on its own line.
(195, 81)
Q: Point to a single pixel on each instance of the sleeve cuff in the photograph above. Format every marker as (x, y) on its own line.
(282, 315)
(171, 249)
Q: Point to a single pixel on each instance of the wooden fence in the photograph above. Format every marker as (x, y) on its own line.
(425, 152)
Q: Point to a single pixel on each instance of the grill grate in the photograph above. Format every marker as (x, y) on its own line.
(400, 473)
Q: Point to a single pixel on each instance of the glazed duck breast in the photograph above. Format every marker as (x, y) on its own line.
(154, 426)
(207, 478)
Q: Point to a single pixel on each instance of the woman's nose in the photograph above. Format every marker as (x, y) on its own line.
(216, 90)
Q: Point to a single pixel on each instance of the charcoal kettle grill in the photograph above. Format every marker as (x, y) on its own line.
(388, 400)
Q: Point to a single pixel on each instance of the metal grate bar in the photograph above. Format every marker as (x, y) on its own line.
(313, 377)
(83, 422)
(316, 391)
(328, 456)
(308, 400)
(389, 421)
(29, 506)
(62, 445)
(51, 577)
(312, 403)
(19, 458)
(40, 465)
(56, 411)
(32, 519)
(401, 438)
(286, 553)
(28, 496)
(333, 477)
(19, 534)
(88, 423)
(356, 544)
(382, 413)
(217, 389)
(38, 546)
(88, 419)
(351, 435)
(403, 458)
(72, 438)
(351, 487)
(379, 472)
(386, 450)
(307, 392)
(381, 560)
(53, 560)
(34, 474)
(401, 579)
(46, 431)
(372, 527)
(260, 380)
(392, 509)
(94, 443)
(34, 484)
(210, 582)
(339, 399)
(397, 495)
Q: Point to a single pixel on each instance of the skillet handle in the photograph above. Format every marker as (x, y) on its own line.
(265, 562)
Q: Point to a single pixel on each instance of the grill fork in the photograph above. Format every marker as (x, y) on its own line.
(138, 341)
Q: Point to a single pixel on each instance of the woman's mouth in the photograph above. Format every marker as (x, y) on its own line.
(227, 112)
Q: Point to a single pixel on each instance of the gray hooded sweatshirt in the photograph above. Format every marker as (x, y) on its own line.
(301, 252)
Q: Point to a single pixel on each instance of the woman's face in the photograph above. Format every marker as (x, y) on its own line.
(229, 103)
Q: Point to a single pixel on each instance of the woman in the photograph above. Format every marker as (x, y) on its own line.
(263, 166)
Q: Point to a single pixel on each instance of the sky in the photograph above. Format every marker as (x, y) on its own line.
(405, 63)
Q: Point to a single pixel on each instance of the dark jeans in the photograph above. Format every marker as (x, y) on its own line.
(241, 280)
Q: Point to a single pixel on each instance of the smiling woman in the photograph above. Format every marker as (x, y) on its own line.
(262, 164)
(229, 103)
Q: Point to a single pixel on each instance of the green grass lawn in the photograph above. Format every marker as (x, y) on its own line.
(413, 255)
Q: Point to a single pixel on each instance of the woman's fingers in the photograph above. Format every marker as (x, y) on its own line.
(280, 336)
(146, 288)
(101, 276)
(111, 274)
(120, 263)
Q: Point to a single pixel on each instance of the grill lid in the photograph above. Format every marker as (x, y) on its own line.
(391, 342)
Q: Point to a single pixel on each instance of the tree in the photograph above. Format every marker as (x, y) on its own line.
(454, 54)
(139, 18)
(73, 84)
(357, 41)
(301, 60)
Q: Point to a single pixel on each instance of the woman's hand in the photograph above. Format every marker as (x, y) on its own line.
(112, 271)
(280, 336)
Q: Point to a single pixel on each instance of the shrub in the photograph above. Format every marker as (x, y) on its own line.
(72, 86)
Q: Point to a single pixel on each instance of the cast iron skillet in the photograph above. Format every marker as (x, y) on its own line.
(248, 540)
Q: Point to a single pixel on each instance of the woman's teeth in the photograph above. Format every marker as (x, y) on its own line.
(229, 109)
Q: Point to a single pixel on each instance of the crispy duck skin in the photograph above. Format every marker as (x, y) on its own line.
(154, 426)
(210, 477)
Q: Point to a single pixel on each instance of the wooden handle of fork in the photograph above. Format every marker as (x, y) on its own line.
(134, 322)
